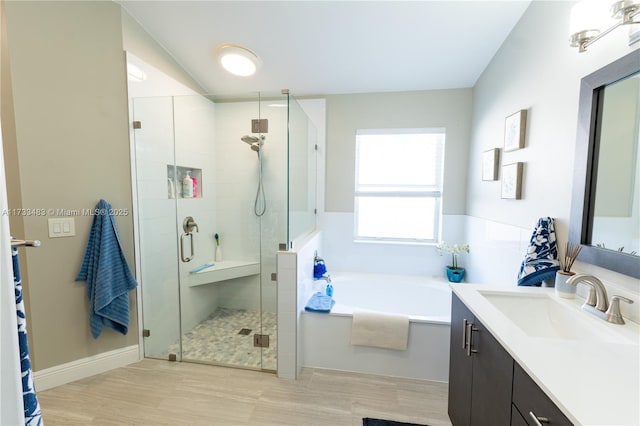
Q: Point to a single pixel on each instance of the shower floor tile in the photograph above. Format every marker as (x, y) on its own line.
(218, 340)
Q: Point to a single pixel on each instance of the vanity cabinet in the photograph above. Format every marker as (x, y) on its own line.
(480, 372)
(531, 402)
(486, 386)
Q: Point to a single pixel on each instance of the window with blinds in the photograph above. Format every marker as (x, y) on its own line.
(398, 185)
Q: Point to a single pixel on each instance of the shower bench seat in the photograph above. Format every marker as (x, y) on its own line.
(222, 271)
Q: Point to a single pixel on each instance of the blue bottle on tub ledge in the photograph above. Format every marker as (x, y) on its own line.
(329, 290)
(455, 275)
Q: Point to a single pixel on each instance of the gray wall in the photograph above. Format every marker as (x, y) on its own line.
(64, 117)
(538, 71)
(436, 108)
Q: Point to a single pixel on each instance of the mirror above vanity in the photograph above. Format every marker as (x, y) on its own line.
(605, 209)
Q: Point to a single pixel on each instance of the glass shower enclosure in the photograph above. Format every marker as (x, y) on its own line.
(221, 183)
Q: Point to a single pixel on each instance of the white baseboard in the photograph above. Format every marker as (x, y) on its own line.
(85, 367)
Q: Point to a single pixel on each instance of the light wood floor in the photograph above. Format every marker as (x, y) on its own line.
(154, 392)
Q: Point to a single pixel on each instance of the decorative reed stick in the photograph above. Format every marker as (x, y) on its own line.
(570, 254)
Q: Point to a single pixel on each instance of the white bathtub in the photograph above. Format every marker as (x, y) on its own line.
(427, 302)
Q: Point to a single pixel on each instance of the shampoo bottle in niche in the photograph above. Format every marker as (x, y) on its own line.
(195, 187)
(171, 189)
(187, 185)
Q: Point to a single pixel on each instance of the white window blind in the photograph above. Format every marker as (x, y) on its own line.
(398, 185)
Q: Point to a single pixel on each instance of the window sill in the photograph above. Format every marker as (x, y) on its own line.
(395, 242)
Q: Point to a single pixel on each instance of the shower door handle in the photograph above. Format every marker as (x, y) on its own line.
(182, 256)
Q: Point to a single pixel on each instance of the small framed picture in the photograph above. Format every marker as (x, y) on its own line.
(512, 181)
(514, 130)
(490, 164)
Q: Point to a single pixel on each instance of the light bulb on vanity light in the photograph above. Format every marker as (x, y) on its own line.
(593, 19)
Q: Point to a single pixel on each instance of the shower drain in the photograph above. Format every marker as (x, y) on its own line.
(244, 331)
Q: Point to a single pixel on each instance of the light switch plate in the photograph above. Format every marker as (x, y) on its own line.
(62, 227)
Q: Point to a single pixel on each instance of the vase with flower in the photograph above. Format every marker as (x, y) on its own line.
(455, 273)
(566, 260)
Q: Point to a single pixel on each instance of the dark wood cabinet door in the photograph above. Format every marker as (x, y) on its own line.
(492, 379)
(529, 398)
(516, 417)
(460, 366)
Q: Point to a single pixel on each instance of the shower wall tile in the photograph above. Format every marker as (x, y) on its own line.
(287, 336)
(287, 262)
(305, 251)
(285, 361)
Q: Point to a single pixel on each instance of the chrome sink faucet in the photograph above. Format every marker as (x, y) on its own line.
(596, 302)
(597, 294)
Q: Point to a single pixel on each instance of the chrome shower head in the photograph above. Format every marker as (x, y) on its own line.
(249, 139)
(255, 142)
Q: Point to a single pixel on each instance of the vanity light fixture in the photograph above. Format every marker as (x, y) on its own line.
(238, 60)
(588, 17)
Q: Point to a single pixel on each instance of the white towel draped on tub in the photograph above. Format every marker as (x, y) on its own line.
(380, 330)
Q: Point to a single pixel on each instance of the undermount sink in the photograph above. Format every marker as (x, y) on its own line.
(540, 315)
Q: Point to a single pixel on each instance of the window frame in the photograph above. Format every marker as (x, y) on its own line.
(435, 192)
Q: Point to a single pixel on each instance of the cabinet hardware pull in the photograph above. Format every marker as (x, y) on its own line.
(464, 333)
(538, 420)
(470, 330)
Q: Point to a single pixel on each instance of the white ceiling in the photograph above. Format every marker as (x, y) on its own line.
(328, 47)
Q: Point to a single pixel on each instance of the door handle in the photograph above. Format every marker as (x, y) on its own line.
(182, 256)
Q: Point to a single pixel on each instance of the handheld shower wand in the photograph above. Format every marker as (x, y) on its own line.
(259, 206)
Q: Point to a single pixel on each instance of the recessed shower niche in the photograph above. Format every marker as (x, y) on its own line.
(176, 186)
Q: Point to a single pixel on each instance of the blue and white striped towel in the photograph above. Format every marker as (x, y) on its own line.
(32, 412)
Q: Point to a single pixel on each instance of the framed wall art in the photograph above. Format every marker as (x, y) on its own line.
(512, 181)
(490, 160)
(514, 130)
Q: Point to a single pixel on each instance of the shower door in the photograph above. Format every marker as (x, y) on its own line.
(204, 299)
(156, 213)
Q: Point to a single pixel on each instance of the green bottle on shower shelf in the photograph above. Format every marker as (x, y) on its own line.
(218, 255)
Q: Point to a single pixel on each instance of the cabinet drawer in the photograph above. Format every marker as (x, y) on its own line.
(529, 398)
(516, 417)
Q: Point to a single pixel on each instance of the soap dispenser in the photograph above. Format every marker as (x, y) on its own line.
(329, 290)
(187, 185)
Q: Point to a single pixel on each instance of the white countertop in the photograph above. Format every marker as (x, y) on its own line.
(593, 383)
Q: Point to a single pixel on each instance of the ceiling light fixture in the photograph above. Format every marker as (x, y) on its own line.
(588, 17)
(238, 60)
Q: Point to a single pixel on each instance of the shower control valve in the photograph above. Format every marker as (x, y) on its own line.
(188, 224)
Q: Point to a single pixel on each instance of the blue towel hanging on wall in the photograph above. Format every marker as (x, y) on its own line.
(108, 277)
(32, 412)
(541, 261)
